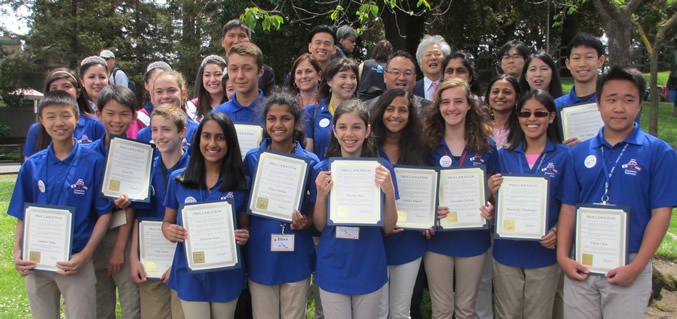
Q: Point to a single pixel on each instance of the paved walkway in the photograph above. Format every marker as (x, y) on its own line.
(9, 168)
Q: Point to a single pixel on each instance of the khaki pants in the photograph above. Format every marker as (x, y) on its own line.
(44, 290)
(340, 306)
(159, 301)
(209, 310)
(396, 293)
(284, 301)
(525, 293)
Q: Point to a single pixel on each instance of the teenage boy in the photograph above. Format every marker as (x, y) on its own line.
(168, 126)
(64, 174)
(245, 67)
(117, 111)
(623, 167)
(430, 53)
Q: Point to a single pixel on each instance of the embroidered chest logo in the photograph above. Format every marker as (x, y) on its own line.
(477, 161)
(79, 187)
(84, 139)
(228, 195)
(631, 168)
(549, 170)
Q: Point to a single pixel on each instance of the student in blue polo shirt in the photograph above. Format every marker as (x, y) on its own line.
(245, 67)
(168, 124)
(279, 280)
(459, 135)
(526, 273)
(64, 174)
(339, 83)
(214, 173)
(351, 261)
(116, 110)
(621, 166)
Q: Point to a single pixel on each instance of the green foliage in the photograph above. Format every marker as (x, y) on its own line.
(5, 130)
(16, 72)
(252, 15)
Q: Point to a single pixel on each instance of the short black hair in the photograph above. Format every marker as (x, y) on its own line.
(323, 28)
(522, 49)
(120, 94)
(619, 73)
(58, 97)
(235, 23)
(586, 40)
(404, 54)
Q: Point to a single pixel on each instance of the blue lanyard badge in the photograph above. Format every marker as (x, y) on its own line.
(608, 174)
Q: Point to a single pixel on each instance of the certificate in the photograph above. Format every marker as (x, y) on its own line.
(522, 207)
(355, 198)
(416, 208)
(279, 185)
(211, 242)
(601, 237)
(463, 190)
(47, 235)
(156, 253)
(581, 121)
(128, 168)
(249, 136)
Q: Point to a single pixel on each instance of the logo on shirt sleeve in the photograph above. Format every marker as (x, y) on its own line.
(79, 187)
(631, 168)
(590, 161)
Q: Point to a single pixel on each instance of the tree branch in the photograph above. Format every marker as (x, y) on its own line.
(607, 10)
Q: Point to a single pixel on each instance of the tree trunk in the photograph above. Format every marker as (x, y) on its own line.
(619, 49)
(653, 85)
(402, 30)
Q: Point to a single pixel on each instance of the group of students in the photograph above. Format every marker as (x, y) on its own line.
(360, 272)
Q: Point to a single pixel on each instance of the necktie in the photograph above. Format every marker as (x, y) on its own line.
(433, 88)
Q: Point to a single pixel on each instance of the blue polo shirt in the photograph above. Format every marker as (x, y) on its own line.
(87, 130)
(274, 268)
(350, 266)
(159, 181)
(464, 243)
(146, 134)
(644, 177)
(317, 122)
(216, 286)
(74, 181)
(551, 163)
(252, 113)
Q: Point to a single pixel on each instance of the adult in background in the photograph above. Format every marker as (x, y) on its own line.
(371, 71)
(347, 37)
(116, 75)
(511, 57)
(430, 53)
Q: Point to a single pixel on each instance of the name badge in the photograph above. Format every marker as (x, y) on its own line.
(348, 232)
(282, 243)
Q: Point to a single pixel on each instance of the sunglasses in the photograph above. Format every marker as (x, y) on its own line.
(527, 114)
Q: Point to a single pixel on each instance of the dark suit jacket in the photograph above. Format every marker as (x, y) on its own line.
(267, 80)
(419, 90)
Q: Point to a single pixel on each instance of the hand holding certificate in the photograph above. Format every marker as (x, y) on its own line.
(463, 191)
(522, 207)
(355, 198)
(601, 237)
(418, 196)
(128, 168)
(156, 253)
(279, 185)
(47, 235)
(581, 121)
(211, 236)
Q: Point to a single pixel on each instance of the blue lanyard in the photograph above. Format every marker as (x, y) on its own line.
(608, 174)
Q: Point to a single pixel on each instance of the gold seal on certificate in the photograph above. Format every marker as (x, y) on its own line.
(156, 253)
(279, 185)
(355, 198)
(47, 235)
(463, 190)
(581, 121)
(601, 237)
(416, 207)
(522, 207)
(249, 137)
(211, 236)
(128, 168)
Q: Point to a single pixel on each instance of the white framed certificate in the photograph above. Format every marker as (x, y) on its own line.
(355, 199)
(601, 241)
(249, 137)
(156, 253)
(128, 169)
(581, 121)
(463, 190)
(279, 185)
(416, 207)
(522, 207)
(47, 236)
(211, 244)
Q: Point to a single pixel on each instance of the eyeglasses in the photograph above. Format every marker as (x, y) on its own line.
(397, 73)
(512, 57)
(527, 114)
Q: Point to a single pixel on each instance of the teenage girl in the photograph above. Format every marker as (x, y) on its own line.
(526, 272)
(396, 127)
(209, 88)
(279, 280)
(458, 134)
(351, 261)
(214, 173)
(94, 77)
(143, 115)
(540, 72)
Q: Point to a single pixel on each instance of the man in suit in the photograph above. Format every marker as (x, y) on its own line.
(430, 53)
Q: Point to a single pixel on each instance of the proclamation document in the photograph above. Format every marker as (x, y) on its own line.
(156, 253)
(249, 136)
(279, 185)
(355, 198)
(522, 207)
(47, 235)
(463, 190)
(601, 237)
(417, 206)
(211, 242)
(581, 121)
(128, 169)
